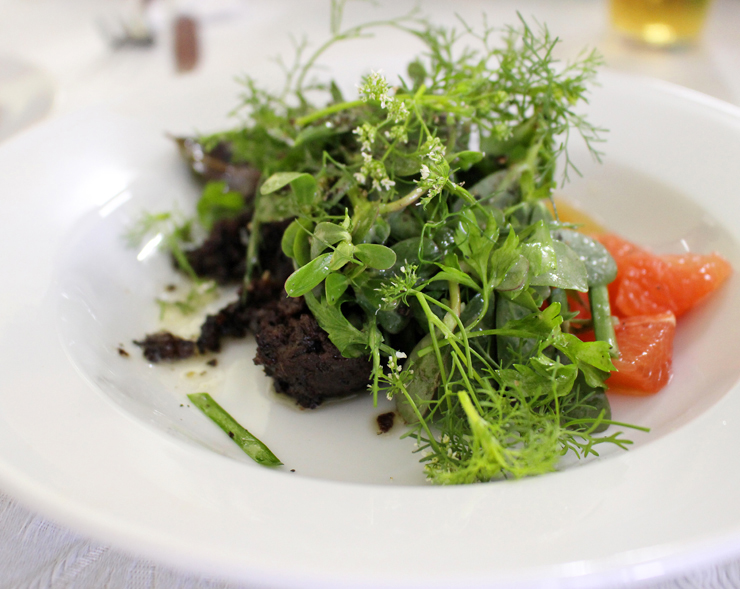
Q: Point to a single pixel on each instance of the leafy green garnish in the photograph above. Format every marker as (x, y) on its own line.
(197, 297)
(419, 233)
(164, 230)
(218, 203)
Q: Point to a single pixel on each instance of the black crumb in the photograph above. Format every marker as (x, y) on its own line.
(122, 352)
(165, 346)
(170, 288)
(231, 435)
(292, 470)
(385, 422)
(213, 362)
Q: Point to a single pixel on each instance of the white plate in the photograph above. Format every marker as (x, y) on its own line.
(99, 442)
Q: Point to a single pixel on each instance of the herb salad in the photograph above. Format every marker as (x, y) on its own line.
(419, 226)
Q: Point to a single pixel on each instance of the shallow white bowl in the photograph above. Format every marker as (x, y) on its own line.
(101, 442)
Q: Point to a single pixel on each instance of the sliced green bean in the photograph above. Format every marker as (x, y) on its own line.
(254, 448)
(601, 315)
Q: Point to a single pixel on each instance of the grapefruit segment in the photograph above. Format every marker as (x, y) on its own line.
(655, 284)
(645, 354)
(648, 284)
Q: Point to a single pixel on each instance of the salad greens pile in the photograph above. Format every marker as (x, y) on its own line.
(422, 239)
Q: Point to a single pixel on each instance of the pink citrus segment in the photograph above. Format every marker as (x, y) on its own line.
(645, 354)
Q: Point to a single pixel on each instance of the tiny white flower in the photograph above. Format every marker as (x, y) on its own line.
(361, 179)
(367, 158)
(387, 183)
(424, 172)
(401, 355)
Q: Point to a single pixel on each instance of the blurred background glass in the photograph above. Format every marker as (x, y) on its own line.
(660, 23)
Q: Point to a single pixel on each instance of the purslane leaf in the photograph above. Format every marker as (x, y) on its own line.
(309, 276)
(375, 255)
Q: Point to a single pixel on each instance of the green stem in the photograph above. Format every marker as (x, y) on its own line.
(252, 257)
(601, 315)
(402, 203)
(329, 110)
(444, 329)
(455, 300)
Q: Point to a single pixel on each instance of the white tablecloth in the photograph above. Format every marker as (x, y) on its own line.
(62, 43)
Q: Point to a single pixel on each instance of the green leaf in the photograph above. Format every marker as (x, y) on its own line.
(349, 340)
(305, 189)
(278, 181)
(313, 133)
(541, 378)
(450, 273)
(217, 203)
(465, 159)
(326, 234)
(404, 225)
(601, 269)
(302, 243)
(570, 273)
(402, 164)
(503, 259)
(304, 186)
(307, 277)
(415, 251)
(275, 207)
(538, 248)
(336, 284)
(541, 324)
(516, 276)
(288, 239)
(363, 219)
(343, 255)
(375, 255)
(592, 358)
